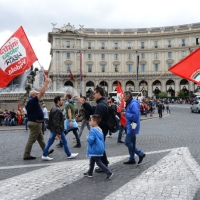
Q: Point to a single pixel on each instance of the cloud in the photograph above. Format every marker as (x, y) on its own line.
(36, 17)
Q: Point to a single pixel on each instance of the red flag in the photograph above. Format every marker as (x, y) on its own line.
(120, 97)
(18, 108)
(16, 56)
(71, 75)
(81, 72)
(189, 67)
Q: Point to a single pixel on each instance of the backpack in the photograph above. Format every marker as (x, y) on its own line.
(112, 121)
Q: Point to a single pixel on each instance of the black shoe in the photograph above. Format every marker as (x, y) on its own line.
(99, 170)
(109, 176)
(77, 146)
(120, 142)
(141, 158)
(51, 151)
(129, 162)
(88, 175)
(59, 145)
(30, 158)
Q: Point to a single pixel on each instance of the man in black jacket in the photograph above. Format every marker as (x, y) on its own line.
(56, 127)
(100, 109)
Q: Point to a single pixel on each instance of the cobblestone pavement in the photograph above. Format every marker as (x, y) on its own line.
(170, 169)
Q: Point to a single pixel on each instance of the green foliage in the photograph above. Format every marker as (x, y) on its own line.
(181, 94)
(162, 95)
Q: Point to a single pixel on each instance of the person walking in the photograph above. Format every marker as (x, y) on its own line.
(35, 119)
(160, 109)
(56, 127)
(25, 117)
(96, 148)
(132, 114)
(45, 112)
(84, 115)
(100, 109)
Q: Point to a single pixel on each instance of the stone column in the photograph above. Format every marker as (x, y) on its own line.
(177, 86)
(54, 83)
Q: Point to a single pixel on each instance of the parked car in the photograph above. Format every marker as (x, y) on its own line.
(195, 107)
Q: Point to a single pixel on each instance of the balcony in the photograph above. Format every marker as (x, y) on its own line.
(89, 47)
(68, 46)
(169, 45)
(156, 46)
(102, 47)
(129, 47)
(142, 47)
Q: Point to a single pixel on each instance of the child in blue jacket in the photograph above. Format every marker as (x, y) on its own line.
(96, 147)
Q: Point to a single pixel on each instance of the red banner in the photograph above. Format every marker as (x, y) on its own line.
(16, 56)
(189, 67)
(71, 75)
(120, 97)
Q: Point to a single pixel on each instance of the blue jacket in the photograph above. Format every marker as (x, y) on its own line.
(96, 144)
(132, 115)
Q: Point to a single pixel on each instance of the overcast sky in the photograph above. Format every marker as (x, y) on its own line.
(36, 17)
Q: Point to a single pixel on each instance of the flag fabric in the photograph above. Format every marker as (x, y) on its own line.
(16, 56)
(18, 107)
(121, 103)
(189, 67)
(81, 72)
(71, 75)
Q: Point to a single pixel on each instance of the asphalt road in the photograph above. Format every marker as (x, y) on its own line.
(170, 169)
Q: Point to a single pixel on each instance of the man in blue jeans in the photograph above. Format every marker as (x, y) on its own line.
(56, 127)
(132, 114)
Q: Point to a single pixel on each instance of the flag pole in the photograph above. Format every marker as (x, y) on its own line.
(151, 83)
(42, 69)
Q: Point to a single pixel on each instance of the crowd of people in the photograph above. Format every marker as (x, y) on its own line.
(12, 118)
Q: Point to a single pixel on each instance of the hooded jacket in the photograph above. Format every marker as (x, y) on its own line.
(132, 115)
(96, 144)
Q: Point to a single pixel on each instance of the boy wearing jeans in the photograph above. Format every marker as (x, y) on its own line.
(96, 148)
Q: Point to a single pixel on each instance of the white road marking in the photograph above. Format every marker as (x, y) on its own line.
(175, 175)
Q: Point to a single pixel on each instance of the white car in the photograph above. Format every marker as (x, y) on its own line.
(195, 107)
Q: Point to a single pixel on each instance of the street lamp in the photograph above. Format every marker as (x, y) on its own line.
(137, 67)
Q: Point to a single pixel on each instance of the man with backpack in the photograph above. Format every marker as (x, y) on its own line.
(100, 109)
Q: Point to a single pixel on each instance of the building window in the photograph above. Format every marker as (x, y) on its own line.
(143, 55)
(169, 43)
(129, 45)
(115, 56)
(142, 45)
(116, 68)
(156, 44)
(143, 68)
(102, 68)
(156, 67)
(183, 42)
(89, 68)
(102, 45)
(116, 45)
(169, 65)
(68, 55)
(183, 53)
(89, 56)
(129, 68)
(129, 56)
(89, 45)
(68, 44)
(68, 67)
(155, 55)
(102, 56)
(197, 41)
(169, 54)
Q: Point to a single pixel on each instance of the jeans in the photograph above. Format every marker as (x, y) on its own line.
(99, 163)
(51, 140)
(6, 121)
(83, 124)
(121, 129)
(12, 122)
(130, 142)
(26, 122)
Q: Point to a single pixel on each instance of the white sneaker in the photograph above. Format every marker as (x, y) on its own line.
(46, 158)
(108, 136)
(73, 155)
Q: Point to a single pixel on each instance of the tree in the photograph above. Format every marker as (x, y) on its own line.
(181, 94)
(162, 95)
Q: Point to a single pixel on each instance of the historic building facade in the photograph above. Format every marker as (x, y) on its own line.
(105, 56)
